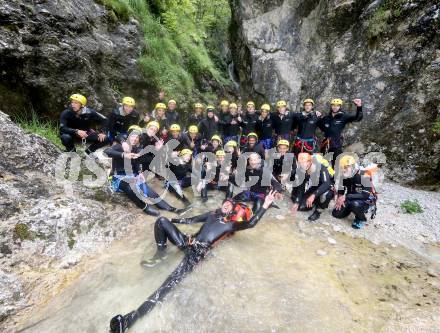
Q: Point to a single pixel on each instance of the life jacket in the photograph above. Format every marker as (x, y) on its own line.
(240, 213)
(371, 171)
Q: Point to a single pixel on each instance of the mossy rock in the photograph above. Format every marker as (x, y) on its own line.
(22, 232)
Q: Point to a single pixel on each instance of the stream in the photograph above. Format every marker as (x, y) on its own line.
(284, 275)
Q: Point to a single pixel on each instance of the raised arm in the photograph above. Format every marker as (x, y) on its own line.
(195, 219)
(258, 215)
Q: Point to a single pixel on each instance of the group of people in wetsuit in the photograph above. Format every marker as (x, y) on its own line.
(276, 148)
(259, 152)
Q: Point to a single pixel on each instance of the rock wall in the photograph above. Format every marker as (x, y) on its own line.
(385, 52)
(51, 49)
(45, 228)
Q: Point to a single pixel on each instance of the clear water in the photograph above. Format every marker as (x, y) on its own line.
(267, 279)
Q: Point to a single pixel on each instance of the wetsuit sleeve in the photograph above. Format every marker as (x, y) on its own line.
(101, 119)
(195, 219)
(321, 124)
(297, 193)
(114, 151)
(111, 124)
(276, 185)
(324, 180)
(63, 123)
(355, 117)
(252, 222)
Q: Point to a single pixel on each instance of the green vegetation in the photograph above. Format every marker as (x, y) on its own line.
(22, 232)
(383, 16)
(71, 242)
(436, 127)
(411, 207)
(32, 123)
(183, 42)
(121, 9)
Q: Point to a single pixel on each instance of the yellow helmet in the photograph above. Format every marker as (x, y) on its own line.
(265, 107)
(233, 106)
(153, 123)
(220, 153)
(224, 103)
(128, 101)
(172, 101)
(231, 143)
(210, 108)
(336, 101)
(198, 106)
(185, 151)
(193, 129)
(216, 137)
(134, 128)
(253, 134)
(250, 103)
(347, 160)
(175, 127)
(281, 104)
(160, 106)
(309, 100)
(79, 98)
(283, 142)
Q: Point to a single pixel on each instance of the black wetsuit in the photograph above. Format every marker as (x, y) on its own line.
(207, 128)
(147, 158)
(182, 140)
(194, 120)
(119, 122)
(215, 183)
(188, 140)
(249, 123)
(71, 122)
(264, 130)
(230, 131)
(196, 247)
(319, 185)
(173, 117)
(359, 196)
(283, 125)
(182, 173)
(278, 166)
(332, 126)
(125, 180)
(257, 148)
(305, 138)
(257, 192)
(221, 121)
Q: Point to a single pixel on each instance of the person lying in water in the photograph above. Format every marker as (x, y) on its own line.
(217, 225)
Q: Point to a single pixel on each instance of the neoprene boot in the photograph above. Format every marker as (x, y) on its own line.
(204, 194)
(150, 210)
(314, 216)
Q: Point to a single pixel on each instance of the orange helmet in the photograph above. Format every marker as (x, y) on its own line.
(240, 213)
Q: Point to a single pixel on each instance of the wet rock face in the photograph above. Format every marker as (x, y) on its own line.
(51, 49)
(295, 49)
(42, 224)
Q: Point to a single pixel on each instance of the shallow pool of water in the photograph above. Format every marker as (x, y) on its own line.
(282, 276)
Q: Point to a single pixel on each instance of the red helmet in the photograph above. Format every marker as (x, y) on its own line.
(240, 213)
